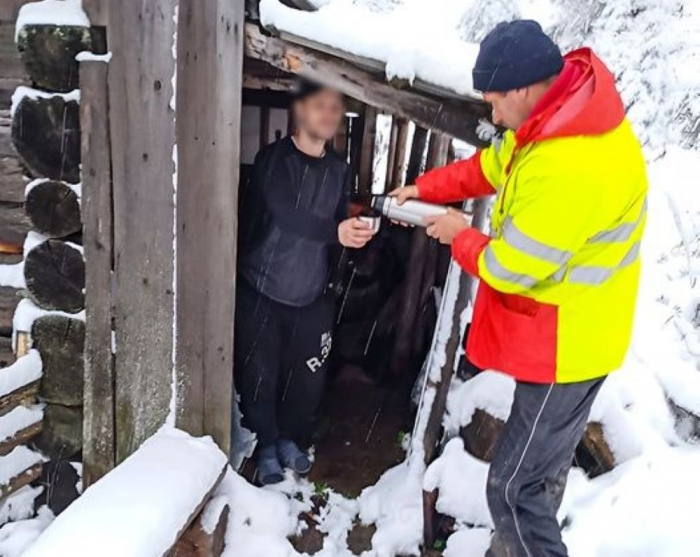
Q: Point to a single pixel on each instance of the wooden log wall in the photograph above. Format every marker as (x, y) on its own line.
(40, 139)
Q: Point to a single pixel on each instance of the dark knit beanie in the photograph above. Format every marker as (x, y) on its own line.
(303, 88)
(514, 55)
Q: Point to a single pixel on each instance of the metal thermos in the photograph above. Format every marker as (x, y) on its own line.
(411, 212)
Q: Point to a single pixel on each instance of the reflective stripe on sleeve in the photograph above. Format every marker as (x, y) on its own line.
(500, 272)
(524, 243)
(598, 275)
(622, 232)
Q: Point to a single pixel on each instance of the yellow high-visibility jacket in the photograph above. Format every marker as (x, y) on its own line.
(560, 270)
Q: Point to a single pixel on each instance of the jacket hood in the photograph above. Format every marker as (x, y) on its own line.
(583, 100)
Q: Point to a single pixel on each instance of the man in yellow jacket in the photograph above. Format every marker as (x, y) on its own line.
(560, 269)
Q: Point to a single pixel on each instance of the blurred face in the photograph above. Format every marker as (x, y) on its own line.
(510, 109)
(320, 114)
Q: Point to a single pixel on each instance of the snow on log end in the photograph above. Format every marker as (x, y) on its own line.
(20, 459)
(141, 506)
(24, 371)
(52, 12)
(490, 391)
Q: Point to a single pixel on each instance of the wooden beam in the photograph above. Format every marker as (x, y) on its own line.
(142, 135)
(369, 132)
(99, 396)
(10, 8)
(210, 50)
(96, 11)
(457, 118)
(395, 175)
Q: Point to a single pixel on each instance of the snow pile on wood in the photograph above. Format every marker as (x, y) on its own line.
(24, 371)
(17, 419)
(139, 508)
(52, 12)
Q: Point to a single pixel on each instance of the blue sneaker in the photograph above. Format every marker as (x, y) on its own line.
(269, 467)
(293, 457)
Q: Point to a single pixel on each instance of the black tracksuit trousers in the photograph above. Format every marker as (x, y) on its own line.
(530, 465)
(281, 360)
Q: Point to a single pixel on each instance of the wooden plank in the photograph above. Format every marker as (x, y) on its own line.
(210, 50)
(396, 175)
(24, 395)
(9, 298)
(457, 118)
(20, 480)
(10, 8)
(96, 11)
(142, 135)
(22, 437)
(197, 541)
(369, 132)
(99, 396)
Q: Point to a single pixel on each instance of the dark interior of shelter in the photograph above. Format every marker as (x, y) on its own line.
(386, 293)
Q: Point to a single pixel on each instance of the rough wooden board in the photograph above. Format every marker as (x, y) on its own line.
(142, 135)
(98, 426)
(12, 180)
(14, 223)
(369, 133)
(196, 542)
(20, 480)
(481, 434)
(10, 8)
(195, 513)
(22, 437)
(25, 395)
(210, 50)
(450, 116)
(6, 356)
(9, 298)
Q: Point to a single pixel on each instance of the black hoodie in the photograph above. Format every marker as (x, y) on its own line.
(289, 215)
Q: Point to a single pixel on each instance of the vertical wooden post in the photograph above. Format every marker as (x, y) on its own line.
(98, 426)
(395, 176)
(210, 66)
(369, 132)
(142, 125)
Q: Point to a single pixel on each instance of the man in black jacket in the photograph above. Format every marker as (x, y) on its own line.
(293, 210)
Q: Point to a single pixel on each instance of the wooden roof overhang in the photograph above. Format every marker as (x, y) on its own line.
(364, 79)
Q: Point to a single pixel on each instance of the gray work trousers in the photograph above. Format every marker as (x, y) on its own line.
(530, 465)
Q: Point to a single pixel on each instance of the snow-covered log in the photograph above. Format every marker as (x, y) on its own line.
(46, 133)
(19, 383)
(143, 506)
(19, 426)
(54, 272)
(53, 207)
(49, 51)
(206, 536)
(19, 468)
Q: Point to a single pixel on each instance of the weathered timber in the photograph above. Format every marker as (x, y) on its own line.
(12, 181)
(6, 356)
(593, 453)
(173, 551)
(403, 347)
(96, 11)
(440, 385)
(9, 9)
(481, 434)
(20, 480)
(210, 50)
(9, 298)
(55, 276)
(196, 541)
(14, 223)
(22, 437)
(46, 135)
(13, 73)
(24, 395)
(99, 396)
(61, 341)
(49, 51)
(401, 150)
(142, 135)
(457, 118)
(24, 343)
(53, 209)
(62, 434)
(369, 132)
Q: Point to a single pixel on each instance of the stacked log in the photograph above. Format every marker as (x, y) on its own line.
(40, 140)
